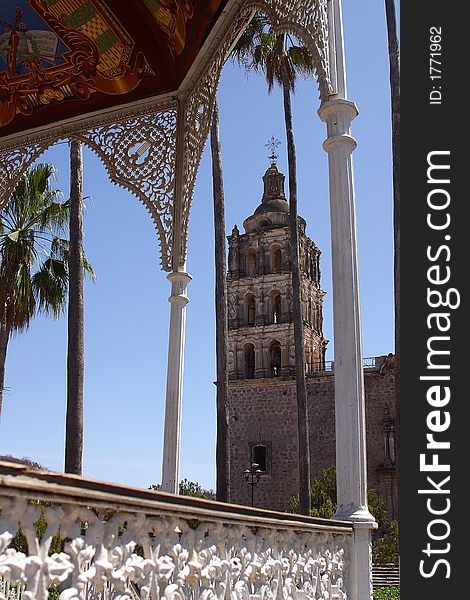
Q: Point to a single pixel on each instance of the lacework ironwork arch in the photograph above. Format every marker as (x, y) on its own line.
(14, 162)
(138, 146)
(139, 155)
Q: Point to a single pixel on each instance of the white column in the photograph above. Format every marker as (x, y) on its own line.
(351, 468)
(349, 379)
(174, 386)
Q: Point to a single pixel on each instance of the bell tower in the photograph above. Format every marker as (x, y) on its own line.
(262, 396)
(259, 282)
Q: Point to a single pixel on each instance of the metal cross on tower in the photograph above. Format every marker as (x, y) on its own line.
(273, 145)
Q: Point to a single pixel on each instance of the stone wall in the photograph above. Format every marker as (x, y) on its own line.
(263, 411)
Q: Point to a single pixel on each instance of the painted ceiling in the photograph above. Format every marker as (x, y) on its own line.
(63, 58)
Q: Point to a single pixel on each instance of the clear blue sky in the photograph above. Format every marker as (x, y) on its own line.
(127, 310)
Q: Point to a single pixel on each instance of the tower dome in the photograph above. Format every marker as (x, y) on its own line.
(274, 198)
(273, 211)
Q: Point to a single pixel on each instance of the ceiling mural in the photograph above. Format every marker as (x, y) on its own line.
(62, 58)
(58, 50)
(171, 17)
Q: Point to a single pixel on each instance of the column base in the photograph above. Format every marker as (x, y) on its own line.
(360, 516)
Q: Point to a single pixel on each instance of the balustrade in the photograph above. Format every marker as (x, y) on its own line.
(85, 539)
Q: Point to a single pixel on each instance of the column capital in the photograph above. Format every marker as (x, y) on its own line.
(179, 282)
(343, 139)
(338, 115)
(337, 106)
(179, 276)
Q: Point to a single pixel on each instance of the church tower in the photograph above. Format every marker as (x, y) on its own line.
(262, 404)
(259, 285)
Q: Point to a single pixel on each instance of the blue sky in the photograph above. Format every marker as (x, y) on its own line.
(127, 310)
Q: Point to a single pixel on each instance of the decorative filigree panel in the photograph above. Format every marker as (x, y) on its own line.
(137, 148)
(13, 164)
(88, 553)
(199, 110)
(139, 155)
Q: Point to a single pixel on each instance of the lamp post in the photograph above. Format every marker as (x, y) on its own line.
(252, 476)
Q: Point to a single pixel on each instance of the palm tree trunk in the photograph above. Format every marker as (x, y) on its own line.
(395, 101)
(4, 339)
(223, 446)
(75, 350)
(301, 388)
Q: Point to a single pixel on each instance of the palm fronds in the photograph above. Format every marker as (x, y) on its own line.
(262, 51)
(34, 251)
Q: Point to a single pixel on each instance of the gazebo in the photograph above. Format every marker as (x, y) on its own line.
(136, 82)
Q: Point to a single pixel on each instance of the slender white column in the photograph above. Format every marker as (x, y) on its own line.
(335, 20)
(351, 468)
(174, 386)
(349, 380)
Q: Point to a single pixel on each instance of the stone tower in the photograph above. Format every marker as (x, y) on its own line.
(262, 391)
(259, 282)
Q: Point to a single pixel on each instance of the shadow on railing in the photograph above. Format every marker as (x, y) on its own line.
(80, 538)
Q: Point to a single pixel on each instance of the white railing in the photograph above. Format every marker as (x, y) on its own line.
(87, 539)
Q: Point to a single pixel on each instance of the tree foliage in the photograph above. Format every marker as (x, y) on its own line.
(262, 51)
(323, 504)
(22, 461)
(33, 255)
(189, 488)
(385, 548)
(390, 593)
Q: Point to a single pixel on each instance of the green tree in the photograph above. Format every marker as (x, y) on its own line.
(33, 274)
(34, 252)
(189, 488)
(385, 547)
(389, 593)
(281, 60)
(323, 504)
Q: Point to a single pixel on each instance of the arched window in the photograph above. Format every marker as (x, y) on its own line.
(276, 305)
(259, 455)
(251, 262)
(249, 361)
(275, 359)
(250, 309)
(276, 258)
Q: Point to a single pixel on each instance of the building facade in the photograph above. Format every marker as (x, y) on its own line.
(261, 358)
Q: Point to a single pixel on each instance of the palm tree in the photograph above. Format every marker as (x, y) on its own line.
(75, 340)
(33, 274)
(281, 60)
(393, 54)
(223, 446)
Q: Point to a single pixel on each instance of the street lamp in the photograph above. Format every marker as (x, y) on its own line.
(252, 476)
